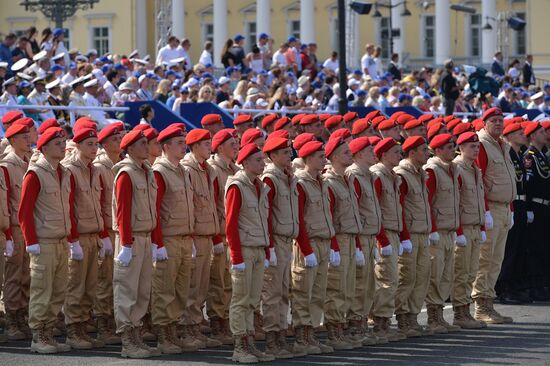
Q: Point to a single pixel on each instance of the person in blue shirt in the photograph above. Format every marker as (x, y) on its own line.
(5, 49)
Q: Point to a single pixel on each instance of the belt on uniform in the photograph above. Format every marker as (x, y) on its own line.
(521, 197)
(541, 201)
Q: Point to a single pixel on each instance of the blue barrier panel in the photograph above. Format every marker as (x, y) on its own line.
(413, 111)
(361, 111)
(163, 115)
(531, 113)
(194, 112)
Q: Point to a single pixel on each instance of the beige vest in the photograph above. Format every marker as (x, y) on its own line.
(317, 216)
(51, 210)
(284, 208)
(369, 207)
(104, 167)
(253, 230)
(416, 207)
(144, 195)
(346, 219)
(16, 168)
(4, 203)
(206, 217)
(392, 215)
(176, 208)
(222, 172)
(499, 178)
(87, 197)
(472, 204)
(298, 163)
(446, 200)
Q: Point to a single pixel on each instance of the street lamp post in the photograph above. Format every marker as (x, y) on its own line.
(391, 6)
(58, 10)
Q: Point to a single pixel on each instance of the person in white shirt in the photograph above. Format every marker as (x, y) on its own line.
(368, 64)
(10, 95)
(91, 101)
(332, 63)
(279, 57)
(169, 52)
(39, 96)
(70, 76)
(184, 52)
(59, 45)
(110, 85)
(206, 55)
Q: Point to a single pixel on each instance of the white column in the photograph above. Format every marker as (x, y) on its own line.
(220, 29)
(443, 31)
(141, 27)
(178, 18)
(488, 37)
(263, 17)
(307, 21)
(398, 22)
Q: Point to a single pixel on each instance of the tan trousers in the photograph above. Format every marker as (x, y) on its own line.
(309, 285)
(200, 277)
(414, 276)
(247, 289)
(17, 274)
(219, 292)
(466, 266)
(171, 279)
(2, 262)
(81, 289)
(275, 292)
(386, 279)
(364, 281)
(132, 284)
(103, 305)
(49, 275)
(492, 252)
(441, 278)
(341, 281)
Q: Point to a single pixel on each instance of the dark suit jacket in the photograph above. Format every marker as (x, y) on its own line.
(496, 69)
(528, 76)
(394, 70)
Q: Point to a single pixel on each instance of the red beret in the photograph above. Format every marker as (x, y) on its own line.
(359, 144)
(84, 122)
(83, 134)
(309, 148)
(396, 114)
(545, 124)
(387, 124)
(15, 129)
(491, 112)
(434, 121)
(434, 130)
(452, 124)
(383, 146)
(107, 131)
(242, 118)
(440, 140)
(509, 122)
(404, 118)
(247, 151)
(413, 142)
(130, 138)
(448, 119)
(29, 122)
(332, 145)
(220, 137)
(374, 140)
(151, 133)
(340, 133)
(302, 139)
(279, 133)
(324, 116)
(531, 127)
(468, 136)
(350, 116)
(309, 119)
(170, 132)
(296, 119)
(275, 143)
(179, 125)
(478, 124)
(360, 126)
(512, 127)
(377, 120)
(142, 127)
(196, 135)
(333, 121)
(11, 116)
(269, 119)
(210, 119)
(281, 123)
(50, 122)
(425, 118)
(462, 127)
(413, 123)
(49, 135)
(373, 114)
(250, 135)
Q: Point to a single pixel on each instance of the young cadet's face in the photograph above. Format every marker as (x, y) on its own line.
(112, 143)
(21, 142)
(470, 150)
(88, 148)
(203, 149)
(177, 147)
(393, 155)
(255, 163)
(317, 160)
(139, 149)
(281, 157)
(55, 149)
(154, 148)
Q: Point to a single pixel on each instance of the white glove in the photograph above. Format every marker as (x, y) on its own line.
(76, 251)
(154, 251)
(386, 251)
(488, 220)
(162, 254)
(400, 252)
(238, 267)
(272, 257)
(107, 245)
(334, 258)
(124, 257)
(460, 241)
(9, 248)
(101, 252)
(376, 255)
(193, 251)
(359, 258)
(311, 260)
(218, 249)
(266, 263)
(434, 237)
(483, 237)
(407, 246)
(33, 249)
(530, 217)
(511, 219)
